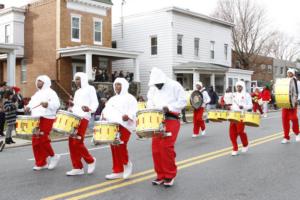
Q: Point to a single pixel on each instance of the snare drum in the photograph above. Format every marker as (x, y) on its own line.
(213, 115)
(66, 122)
(105, 132)
(149, 121)
(251, 119)
(234, 116)
(27, 125)
(223, 115)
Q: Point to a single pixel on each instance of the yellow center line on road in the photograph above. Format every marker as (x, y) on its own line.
(98, 186)
(199, 161)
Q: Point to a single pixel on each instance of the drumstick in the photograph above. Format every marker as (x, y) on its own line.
(120, 112)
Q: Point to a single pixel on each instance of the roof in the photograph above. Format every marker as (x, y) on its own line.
(104, 1)
(11, 9)
(201, 66)
(185, 12)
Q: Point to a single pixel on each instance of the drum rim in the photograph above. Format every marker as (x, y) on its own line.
(105, 122)
(147, 110)
(69, 114)
(27, 117)
(148, 130)
(60, 130)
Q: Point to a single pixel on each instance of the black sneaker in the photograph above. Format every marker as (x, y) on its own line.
(2, 145)
(157, 182)
(169, 182)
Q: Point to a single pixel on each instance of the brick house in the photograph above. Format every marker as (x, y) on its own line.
(62, 37)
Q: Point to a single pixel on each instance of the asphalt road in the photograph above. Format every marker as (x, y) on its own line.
(269, 170)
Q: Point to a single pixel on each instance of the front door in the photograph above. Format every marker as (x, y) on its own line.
(78, 67)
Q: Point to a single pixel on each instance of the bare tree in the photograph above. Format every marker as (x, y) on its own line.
(251, 31)
(284, 47)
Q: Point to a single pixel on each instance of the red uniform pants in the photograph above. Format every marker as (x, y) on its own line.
(256, 107)
(287, 115)
(237, 129)
(41, 142)
(198, 120)
(77, 147)
(120, 152)
(163, 151)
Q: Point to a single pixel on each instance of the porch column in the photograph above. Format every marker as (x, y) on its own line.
(226, 82)
(212, 80)
(136, 64)
(196, 78)
(11, 68)
(88, 65)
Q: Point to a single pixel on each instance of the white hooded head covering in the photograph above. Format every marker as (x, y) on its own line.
(291, 70)
(157, 76)
(199, 83)
(241, 83)
(124, 83)
(45, 79)
(83, 79)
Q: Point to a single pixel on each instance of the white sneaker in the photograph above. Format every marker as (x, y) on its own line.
(53, 161)
(37, 168)
(298, 138)
(113, 176)
(285, 141)
(195, 135)
(234, 153)
(91, 167)
(245, 149)
(127, 170)
(75, 172)
(203, 132)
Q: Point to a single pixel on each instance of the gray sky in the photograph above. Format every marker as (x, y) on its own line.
(284, 15)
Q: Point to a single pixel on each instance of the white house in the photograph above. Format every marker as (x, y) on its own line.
(187, 46)
(11, 39)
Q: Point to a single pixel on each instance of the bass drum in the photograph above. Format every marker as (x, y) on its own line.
(196, 99)
(285, 92)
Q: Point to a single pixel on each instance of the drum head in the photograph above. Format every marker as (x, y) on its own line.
(196, 99)
(293, 92)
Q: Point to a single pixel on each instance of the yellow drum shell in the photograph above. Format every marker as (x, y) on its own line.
(251, 119)
(234, 116)
(283, 90)
(223, 115)
(27, 125)
(105, 132)
(66, 122)
(148, 122)
(141, 105)
(213, 115)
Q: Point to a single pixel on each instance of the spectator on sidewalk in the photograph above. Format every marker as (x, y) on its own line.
(10, 115)
(266, 98)
(19, 99)
(257, 101)
(2, 113)
(2, 145)
(213, 98)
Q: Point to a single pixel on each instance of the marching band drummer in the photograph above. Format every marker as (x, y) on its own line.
(290, 115)
(168, 95)
(198, 113)
(241, 102)
(85, 102)
(44, 104)
(122, 109)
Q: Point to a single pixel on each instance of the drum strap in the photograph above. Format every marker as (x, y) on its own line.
(171, 116)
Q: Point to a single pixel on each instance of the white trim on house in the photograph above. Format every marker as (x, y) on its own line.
(75, 16)
(101, 30)
(96, 50)
(12, 9)
(89, 6)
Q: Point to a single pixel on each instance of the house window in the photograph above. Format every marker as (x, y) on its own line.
(281, 70)
(23, 71)
(179, 44)
(75, 28)
(212, 49)
(97, 31)
(153, 45)
(263, 66)
(270, 68)
(196, 46)
(114, 44)
(7, 33)
(226, 51)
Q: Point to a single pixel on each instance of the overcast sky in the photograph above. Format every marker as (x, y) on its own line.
(283, 14)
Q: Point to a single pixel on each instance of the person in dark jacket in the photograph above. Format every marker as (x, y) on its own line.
(10, 116)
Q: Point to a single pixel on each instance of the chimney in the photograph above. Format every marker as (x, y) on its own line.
(1, 6)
